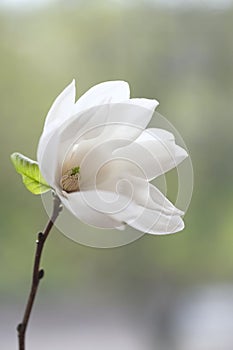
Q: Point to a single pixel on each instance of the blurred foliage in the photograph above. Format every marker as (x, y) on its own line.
(182, 58)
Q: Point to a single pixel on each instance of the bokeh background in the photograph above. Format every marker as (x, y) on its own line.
(163, 293)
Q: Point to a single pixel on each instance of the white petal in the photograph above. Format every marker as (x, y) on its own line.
(62, 107)
(154, 153)
(58, 114)
(117, 120)
(157, 223)
(92, 208)
(144, 194)
(145, 103)
(93, 164)
(150, 211)
(109, 121)
(109, 210)
(158, 200)
(122, 122)
(107, 92)
(47, 161)
(105, 128)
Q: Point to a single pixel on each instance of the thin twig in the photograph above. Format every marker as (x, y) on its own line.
(37, 272)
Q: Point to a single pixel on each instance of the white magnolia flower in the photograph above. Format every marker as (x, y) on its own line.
(99, 157)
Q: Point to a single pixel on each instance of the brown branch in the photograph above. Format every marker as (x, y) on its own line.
(37, 272)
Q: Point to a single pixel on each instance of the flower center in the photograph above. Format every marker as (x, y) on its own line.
(70, 180)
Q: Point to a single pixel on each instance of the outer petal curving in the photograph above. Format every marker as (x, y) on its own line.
(150, 211)
(62, 107)
(106, 92)
(145, 103)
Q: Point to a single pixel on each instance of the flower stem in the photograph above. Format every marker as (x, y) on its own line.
(37, 272)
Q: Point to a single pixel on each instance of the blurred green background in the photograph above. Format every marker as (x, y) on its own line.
(180, 55)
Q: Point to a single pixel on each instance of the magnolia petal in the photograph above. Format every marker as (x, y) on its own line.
(154, 152)
(106, 92)
(47, 156)
(151, 212)
(139, 191)
(60, 111)
(93, 164)
(119, 121)
(146, 209)
(145, 103)
(159, 200)
(90, 207)
(62, 107)
(157, 223)
(147, 195)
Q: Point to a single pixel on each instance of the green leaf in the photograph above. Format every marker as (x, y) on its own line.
(29, 169)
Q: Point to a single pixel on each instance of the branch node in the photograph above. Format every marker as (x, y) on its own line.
(41, 274)
(19, 327)
(39, 237)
